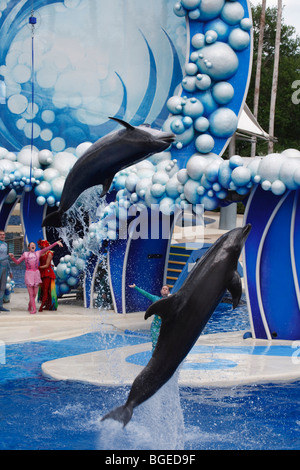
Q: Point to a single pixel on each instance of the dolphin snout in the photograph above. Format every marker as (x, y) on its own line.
(246, 230)
(167, 137)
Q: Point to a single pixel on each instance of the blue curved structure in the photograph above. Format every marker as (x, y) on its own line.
(4, 213)
(31, 214)
(272, 264)
(31, 217)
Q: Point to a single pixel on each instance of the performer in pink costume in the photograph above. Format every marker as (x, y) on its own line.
(32, 273)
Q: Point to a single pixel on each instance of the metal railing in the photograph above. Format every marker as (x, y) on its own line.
(16, 245)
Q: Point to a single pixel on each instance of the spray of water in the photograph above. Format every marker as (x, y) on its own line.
(157, 424)
(85, 211)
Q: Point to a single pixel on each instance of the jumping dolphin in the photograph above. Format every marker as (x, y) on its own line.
(105, 158)
(185, 314)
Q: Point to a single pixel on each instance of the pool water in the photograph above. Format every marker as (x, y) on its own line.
(39, 413)
(260, 417)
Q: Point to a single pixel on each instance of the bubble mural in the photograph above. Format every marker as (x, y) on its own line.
(182, 67)
(80, 78)
(206, 114)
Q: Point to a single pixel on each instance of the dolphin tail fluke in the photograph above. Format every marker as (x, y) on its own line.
(122, 414)
(53, 220)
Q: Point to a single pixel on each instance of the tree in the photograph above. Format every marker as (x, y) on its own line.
(275, 76)
(287, 114)
(258, 66)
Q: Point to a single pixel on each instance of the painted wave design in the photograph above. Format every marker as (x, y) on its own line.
(295, 248)
(72, 103)
(272, 262)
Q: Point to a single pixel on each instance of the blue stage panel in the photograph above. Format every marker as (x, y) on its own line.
(272, 257)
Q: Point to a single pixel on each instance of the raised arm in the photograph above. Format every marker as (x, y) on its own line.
(44, 250)
(149, 296)
(17, 261)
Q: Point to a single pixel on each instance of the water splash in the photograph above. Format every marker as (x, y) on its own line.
(157, 424)
(81, 214)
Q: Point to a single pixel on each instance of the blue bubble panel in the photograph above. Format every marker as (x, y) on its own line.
(277, 284)
(259, 209)
(226, 61)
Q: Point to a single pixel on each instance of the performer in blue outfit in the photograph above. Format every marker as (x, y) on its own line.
(5, 268)
(156, 323)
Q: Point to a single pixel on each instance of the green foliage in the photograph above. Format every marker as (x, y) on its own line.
(287, 116)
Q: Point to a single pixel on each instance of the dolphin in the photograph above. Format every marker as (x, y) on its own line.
(103, 159)
(185, 314)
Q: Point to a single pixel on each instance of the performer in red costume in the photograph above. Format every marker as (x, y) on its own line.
(47, 291)
(32, 273)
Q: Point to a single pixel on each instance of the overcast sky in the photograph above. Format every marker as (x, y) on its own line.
(291, 11)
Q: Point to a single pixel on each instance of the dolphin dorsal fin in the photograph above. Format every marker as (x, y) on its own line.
(162, 307)
(123, 123)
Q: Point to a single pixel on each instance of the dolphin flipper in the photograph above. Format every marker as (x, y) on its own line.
(106, 186)
(235, 289)
(54, 219)
(122, 414)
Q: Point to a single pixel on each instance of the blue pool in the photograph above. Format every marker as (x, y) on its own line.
(38, 413)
